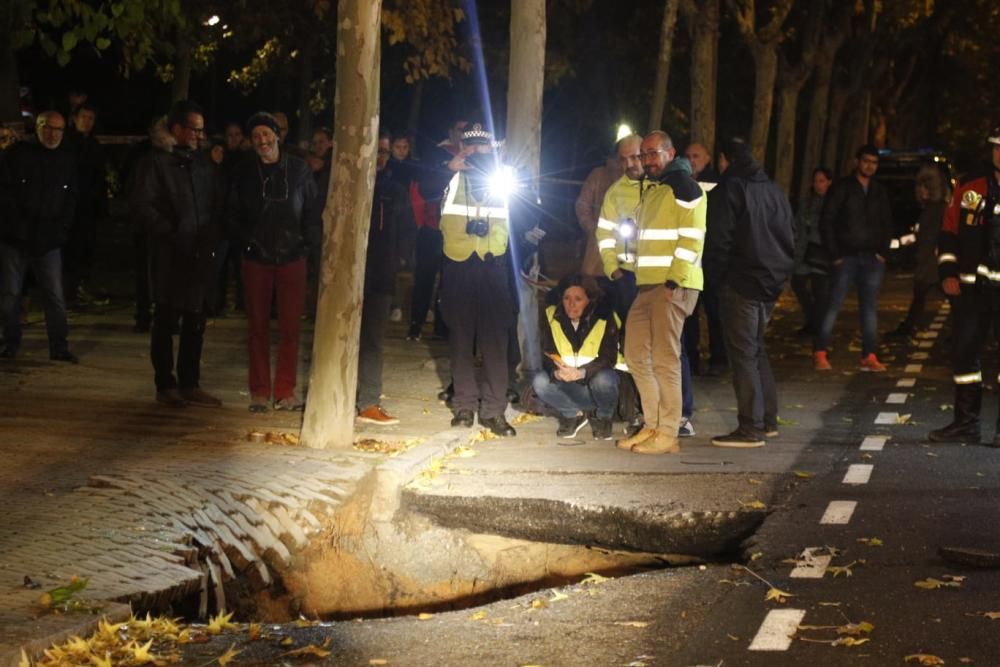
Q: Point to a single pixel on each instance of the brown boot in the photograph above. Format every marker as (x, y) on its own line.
(641, 436)
(660, 443)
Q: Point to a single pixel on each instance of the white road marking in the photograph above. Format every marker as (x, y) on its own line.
(931, 334)
(906, 382)
(919, 356)
(885, 418)
(897, 398)
(937, 324)
(811, 566)
(839, 512)
(925, 344)
(778, 630)
(858, 473)
(913, 368)
(873, 443)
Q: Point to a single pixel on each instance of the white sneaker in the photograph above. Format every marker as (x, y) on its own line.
(396, 315)
(686, 429)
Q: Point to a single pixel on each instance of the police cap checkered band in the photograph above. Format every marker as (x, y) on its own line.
(994, 137)
(475, 134)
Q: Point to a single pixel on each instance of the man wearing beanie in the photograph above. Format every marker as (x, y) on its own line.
(178, 194)
(749, 255)
(273, 213)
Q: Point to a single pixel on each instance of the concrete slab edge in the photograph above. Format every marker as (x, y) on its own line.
(76, 625)
(392, 475)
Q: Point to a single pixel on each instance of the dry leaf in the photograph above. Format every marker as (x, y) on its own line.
(828, 604)
(378, 661)
(870, 541)
(778, 595)
(755, 481)
(931, 583)
(753, 504)
(757, 555)
(557, 596)
(141, 654)
(286, 641)
(925, 659)
(855, 629)
(632, 624)
(849, 641)
(228, 656)
(902, 419)
(424, 616)
(992, 615)
(217, 624)
(24, 661)
(538, 603)
(843, 569)
(478, 616)
(311, 649)
(254, 632)
(803, 474)
(594, 578)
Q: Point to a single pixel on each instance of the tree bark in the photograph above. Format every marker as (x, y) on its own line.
(330, 409)
(663, 64)
(180, 88)
(527, 79)
(702, 19)
(830, 145)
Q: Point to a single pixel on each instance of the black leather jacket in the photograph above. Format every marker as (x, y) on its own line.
(38, 192)
(273, 211)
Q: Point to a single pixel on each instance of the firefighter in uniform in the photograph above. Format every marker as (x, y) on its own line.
(969, 265)
(476, 298)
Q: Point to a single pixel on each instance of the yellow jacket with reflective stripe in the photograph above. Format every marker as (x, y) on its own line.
(457, 209)
(671, 232)
(590, 349)
(620, 202)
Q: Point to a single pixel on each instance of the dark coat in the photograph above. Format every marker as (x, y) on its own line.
(854, 221)
(594, 313)
(38, 194)
(280, 228)
(178, 196)
(928, 230)
(91, 167)
(391, 212)
(753, 242)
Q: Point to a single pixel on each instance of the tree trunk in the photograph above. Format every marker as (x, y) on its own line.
(527, 78)
(330, 409)
(416, 105)
(785, 141)
(305, 78)
(663, 64)
(818, 110)
(703, 26)
(180, 88)
(765, 58)
(837, 103)
(856, 129)
(10, 96)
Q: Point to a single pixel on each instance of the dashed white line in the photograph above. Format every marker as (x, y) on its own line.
(897, 398)
(858, 473)
(839, 512)
(778, 630)
(906, 382)
(885, 418)
(811, 566)
(873, 443)
(913, 368)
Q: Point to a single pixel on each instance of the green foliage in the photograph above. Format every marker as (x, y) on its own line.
(427, 28)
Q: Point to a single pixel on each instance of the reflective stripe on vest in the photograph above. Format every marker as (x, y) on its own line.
(590, 349)
(968, 378)
(457, 211)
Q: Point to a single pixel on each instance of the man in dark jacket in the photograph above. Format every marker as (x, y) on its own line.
(750, 257)
(38, 189)
(391, 211)
(178, 195)
(91, 202)
(856, 225)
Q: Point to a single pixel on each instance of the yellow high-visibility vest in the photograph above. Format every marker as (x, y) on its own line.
(457, 209)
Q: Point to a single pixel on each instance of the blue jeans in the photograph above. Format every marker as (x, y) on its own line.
(687, 389)
(600, 394)
(865, 271)
(47, 269)
(745, 323)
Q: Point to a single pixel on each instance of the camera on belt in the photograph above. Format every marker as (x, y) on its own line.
(477, 227)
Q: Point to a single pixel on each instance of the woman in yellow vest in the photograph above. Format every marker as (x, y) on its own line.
(580, 345)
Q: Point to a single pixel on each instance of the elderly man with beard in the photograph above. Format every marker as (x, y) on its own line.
(38, 190)
(273, 212)
(178, 195)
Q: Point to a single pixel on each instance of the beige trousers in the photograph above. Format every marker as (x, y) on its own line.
(653, 352)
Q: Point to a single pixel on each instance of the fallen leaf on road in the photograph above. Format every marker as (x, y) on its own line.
(318, 651)
(855, 629)
(632, 624)
(753, 504)
(378, 661)
(786, 422)
(932, 454)
(478, 616)
(953, 577)
(524, 418)
(839, 570)
(217, 624)
(755, 481)
(902, 419)
(925, 659)
(931, 583)
(425, 616)
(945, 407)
(803, 474)
(594, 578)
(870, 541)
(228, 656)
(778, 595)
(757, 555)
(828, 604)
(254, 632)
(557, 596)
(141, 654)
(538, 603)
(849, 641)
(992, 615)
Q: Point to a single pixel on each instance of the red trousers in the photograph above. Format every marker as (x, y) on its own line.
(287, 284)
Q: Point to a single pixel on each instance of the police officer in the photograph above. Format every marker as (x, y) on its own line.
(969, 265)
(476, 299)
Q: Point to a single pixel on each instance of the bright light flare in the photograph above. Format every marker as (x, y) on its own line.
(626, 229)
(503, 182)
(623, 131)
(212, 20)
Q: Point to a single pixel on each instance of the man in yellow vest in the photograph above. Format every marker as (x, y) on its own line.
(476, 299)
(670, 233)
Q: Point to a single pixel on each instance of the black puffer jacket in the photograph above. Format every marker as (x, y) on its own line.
(273, 211)
(178, 195)
(391, 214)
(38, 192)
(854, 221)
(752, 239)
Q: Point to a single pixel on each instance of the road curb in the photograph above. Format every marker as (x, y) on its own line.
(75, 625)
(391, 476)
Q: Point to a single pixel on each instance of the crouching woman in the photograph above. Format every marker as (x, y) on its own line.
(580, 342)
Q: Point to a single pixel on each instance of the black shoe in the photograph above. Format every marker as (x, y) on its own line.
(200, 397)
(600, 428)
(171, 397)
(740, 439)
(957, 431)
(447, 394)
(414, 333)
(64, 355)
(513, 397)
(634, 425)
(463, 418)
(570, 426)
(499, 426)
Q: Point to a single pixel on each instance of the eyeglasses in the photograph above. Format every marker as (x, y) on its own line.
(200, 131)
(646, 154)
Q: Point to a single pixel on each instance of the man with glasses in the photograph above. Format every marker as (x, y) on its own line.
(273, 213)
(38, 191)
(178, 195)
(669, 234)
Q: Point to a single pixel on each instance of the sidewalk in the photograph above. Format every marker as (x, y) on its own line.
(152, 503)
